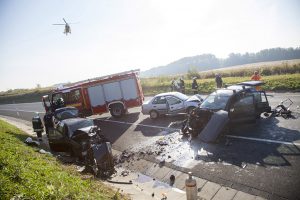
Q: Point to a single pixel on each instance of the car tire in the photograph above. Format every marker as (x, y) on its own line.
(189, 109)
(117, 110)
(153, 114)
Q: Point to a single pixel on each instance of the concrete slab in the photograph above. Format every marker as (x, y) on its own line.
(209, 190)
(200, 182)
(161, 173)
(151, 170)
(243, 196)
(166, 179)
(140, 166)
(225, 193)
(180, 181)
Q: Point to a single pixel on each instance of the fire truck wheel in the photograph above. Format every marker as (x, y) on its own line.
(117, 110)
(154, 114)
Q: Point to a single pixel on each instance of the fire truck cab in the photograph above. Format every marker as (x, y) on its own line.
(113, 93)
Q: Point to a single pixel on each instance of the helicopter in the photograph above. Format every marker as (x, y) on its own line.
(67, 27)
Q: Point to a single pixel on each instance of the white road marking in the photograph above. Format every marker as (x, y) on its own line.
(264, 140)
(17, 110)
(230, 136)
(151, 126)
(174, 129)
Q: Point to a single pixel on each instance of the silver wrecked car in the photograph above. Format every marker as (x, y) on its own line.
(170, 103)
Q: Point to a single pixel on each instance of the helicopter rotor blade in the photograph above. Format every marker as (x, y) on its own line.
(64, 20)
(58, 24)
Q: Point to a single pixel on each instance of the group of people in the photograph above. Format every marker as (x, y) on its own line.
(180, 87)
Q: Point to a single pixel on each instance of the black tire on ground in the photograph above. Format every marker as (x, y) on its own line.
(117, 110)
(154, 114)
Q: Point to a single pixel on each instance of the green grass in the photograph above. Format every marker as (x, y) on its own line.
(286, 82)
(23, 95)
(278, 75)
(27, 174)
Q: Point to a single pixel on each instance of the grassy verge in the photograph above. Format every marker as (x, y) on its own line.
(23, 95)
(27, 174)
(287, 82)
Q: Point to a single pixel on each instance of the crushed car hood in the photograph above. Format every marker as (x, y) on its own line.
(194, 98)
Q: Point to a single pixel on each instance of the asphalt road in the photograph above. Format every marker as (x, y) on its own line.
(261, 158)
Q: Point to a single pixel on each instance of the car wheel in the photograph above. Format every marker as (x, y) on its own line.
(189, 109)
(154, 114)
(117, 110)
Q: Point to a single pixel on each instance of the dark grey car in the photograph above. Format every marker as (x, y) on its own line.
(234, 104)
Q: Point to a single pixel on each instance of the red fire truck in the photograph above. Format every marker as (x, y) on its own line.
(114, 93)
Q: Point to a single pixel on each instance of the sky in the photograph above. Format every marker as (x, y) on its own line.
(111, 36)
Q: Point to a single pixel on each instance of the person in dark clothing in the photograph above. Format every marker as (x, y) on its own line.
(219, 81)
(182, 87)
(173, 86)
(195, 86)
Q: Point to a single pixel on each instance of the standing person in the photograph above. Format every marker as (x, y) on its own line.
(195, 86)
(255, 76)
(172, 85)
(182, 87)
(219, 81)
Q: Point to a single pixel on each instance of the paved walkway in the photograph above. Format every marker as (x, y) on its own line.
(151, 181)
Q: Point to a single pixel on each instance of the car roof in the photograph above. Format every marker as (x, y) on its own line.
(251, 83)
(64, 109)
(177, 94)
(233, 89)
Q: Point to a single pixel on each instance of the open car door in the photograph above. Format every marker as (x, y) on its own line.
(261, 102)
(243, 109)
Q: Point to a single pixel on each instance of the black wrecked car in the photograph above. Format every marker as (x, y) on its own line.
(51, 118)
(83, 140)
(66, 132)
(240, 103)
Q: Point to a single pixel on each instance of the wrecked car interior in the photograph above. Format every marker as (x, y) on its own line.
(223, 108)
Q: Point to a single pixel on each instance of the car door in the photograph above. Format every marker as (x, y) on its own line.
(160, 104)
(175, 104)
(58, 138)
(243, 109)
(261, 102)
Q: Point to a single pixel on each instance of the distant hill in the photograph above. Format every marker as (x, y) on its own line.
(206, 62)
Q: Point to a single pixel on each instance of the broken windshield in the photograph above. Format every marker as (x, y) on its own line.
(80, 124)
(216, 101)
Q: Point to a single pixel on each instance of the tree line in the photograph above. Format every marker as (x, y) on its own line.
(272, 54)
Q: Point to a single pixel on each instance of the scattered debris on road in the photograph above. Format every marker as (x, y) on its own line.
(244, 165)
(29, 141)
(125, 173)
(42, 151)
